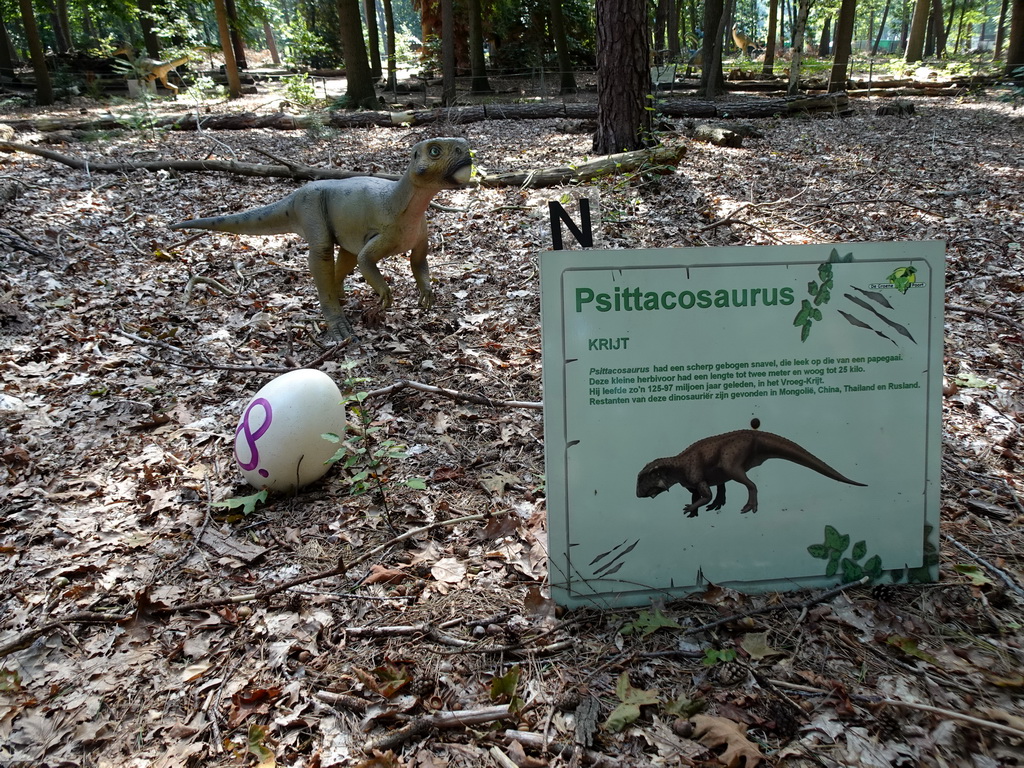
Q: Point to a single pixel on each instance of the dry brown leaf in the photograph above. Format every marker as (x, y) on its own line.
(716, 732)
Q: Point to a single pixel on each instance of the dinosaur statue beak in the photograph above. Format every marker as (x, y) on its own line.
(461, 172)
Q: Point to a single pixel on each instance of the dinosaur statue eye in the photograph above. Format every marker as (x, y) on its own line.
(435, 151)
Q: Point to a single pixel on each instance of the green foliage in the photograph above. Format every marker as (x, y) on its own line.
(714, 656)
(503, 690)
(647, 622)
(299, 89)
(364, 452)
(305, 48)
(832, 550)
(247, 503)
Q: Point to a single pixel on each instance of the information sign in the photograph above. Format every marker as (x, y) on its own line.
(757, 417)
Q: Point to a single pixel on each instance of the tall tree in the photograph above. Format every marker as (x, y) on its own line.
(881, 29)
(768, 67)
(477, 61)
(712, 79)
(673, 29)
(6, 51)
(389, 36)
(227, 49)
(359, 92)
(44, 89)
(844, 46)
(448, 91)
(1015, 47)
(997, 52)
(566, 76)
(938, 29)
(799, 26)
(918, 28)
(372, 37)
(623, 77)
(150, 39)
(234, 26)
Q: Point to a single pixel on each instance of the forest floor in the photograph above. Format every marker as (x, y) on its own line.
(142, 626)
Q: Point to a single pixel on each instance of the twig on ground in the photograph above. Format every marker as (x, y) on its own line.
(946, 713)
(986, 313)
(448, 719)
(466, 397)
(1007, 579)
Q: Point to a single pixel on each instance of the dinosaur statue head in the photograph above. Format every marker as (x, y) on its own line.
(441, 163)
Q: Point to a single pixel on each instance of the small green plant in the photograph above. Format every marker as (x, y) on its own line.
(364, 452)
(832, 550)
(247, 503)
(299, 89)
(714, 656)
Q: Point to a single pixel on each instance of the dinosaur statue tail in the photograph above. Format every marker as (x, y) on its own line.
(273, 219)
(777, 447)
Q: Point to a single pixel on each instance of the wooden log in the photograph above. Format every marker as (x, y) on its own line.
(659, 158)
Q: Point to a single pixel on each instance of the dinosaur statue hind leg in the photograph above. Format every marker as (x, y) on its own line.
(330, 290)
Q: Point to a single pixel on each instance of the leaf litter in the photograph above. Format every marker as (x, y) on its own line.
(385, 620)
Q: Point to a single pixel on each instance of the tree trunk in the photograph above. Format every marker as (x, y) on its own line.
(937, 29)
(660, 24)
(566, 76)
(673, 30)
(712, 80)
(477, 61)
(268, 33)
(623, 77)
(44, 89)
(373, 38)
(448, 91)
(825, 41)
(881, 28)
(389, 36)
(918, 28)
(844, 46)
(6, 52)
(798, 46)
(768, 68)
(997, 52)
(150, 39)
(1015, 48)
(392, 58)
(62, 27)
(230, 66)
(359, 92)
(236, 37)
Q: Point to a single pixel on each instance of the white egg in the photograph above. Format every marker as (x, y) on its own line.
(278, 442)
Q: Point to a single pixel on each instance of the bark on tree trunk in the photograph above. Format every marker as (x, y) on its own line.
(44, 89)
(798, 46)
(359, 92)
(918, 28)
(844, 46)
(477, 60)
(566, 76)
(373, 37)
(236, 39)
(997, 52)
(150, 40)
(230, 66)
(268, 33)
(623, 77)
(712, 80)
(1015, 48)
(389, 32)
(768, 68)
(448, 91)
(881, 29)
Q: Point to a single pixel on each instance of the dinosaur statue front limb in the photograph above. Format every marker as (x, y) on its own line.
(421, 273)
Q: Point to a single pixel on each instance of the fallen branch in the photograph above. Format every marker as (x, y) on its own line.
(947, 713)
(444, 719)
(986, 313)
(543, 177)
(465, 397)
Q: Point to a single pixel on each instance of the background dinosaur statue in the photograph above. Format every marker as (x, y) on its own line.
(151, 69)
(366, 217)
(716, 459)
